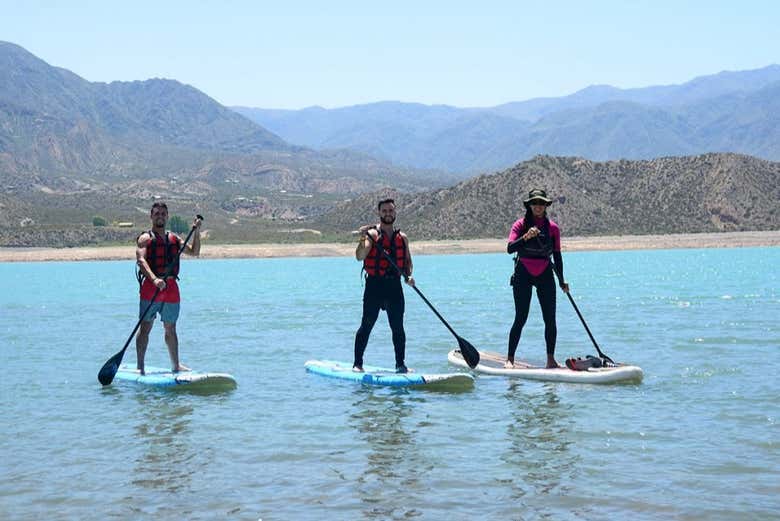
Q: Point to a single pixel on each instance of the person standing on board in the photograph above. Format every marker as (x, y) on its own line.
(383, 281)
(534, 238)
(156, 250)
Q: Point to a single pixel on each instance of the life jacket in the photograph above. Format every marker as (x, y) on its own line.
(375, 264)
(540, 247)
(161, 253)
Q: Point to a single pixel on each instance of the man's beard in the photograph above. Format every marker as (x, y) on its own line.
(387, 220)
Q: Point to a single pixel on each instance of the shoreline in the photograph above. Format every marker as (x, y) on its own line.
(439, 247)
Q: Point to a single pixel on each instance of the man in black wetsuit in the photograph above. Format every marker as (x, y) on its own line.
(383, 281)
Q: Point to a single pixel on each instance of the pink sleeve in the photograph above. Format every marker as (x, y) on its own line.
(514, 233)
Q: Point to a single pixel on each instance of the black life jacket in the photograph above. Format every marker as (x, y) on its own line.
(375, 264)
(540, 247)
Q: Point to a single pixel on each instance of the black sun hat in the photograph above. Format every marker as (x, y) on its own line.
(538, 194)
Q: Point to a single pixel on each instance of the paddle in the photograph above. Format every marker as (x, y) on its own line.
(469, 352)
(595, 344)
(109, 369)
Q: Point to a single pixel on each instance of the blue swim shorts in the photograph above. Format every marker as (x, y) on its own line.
(168, 312)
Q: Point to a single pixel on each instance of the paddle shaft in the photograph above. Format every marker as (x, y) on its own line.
(406, 277)
(434, 310)
(168, 272)
(587, 329)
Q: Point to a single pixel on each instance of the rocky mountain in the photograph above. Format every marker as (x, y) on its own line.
(59, 122)
(725, 112)
(706, 193)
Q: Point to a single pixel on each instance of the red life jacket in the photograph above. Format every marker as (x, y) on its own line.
(161, 252)
(376, 265)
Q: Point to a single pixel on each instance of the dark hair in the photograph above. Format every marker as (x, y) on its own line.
(159, 204)
(528, 220)
(384, 201)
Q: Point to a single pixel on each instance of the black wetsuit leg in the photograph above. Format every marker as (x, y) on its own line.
(372, 303)
(545, 292)
(521, 291)
(395, 305)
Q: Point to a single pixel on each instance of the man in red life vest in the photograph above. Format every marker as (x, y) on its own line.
(157, 249)
(383, 281)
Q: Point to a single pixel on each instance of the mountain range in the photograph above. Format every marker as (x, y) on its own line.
(72, 150)
(725, 112)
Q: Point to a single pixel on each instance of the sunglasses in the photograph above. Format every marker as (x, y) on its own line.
(537, 202)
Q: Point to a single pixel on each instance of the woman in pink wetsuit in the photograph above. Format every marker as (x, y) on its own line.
(535, 238)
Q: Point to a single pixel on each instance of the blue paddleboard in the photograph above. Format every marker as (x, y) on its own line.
(383, 376)
(159, 377)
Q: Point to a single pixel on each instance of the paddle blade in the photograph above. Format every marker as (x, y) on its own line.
(109, 369)
(469, 352)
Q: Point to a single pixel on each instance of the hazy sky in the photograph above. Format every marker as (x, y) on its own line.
(293, 54)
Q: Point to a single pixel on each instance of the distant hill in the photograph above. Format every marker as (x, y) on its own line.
(725, 112)
(706, 193)
(694, 91)
(438, 136)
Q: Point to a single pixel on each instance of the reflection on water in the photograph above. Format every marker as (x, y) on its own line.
(540, 441)
(166, 459)
(394, 467)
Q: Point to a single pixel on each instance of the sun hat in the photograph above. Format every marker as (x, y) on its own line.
(538, 194)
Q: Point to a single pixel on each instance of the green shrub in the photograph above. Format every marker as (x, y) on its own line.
(98, 221)
(178, 225)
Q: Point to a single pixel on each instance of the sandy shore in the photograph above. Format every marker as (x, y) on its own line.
(249, 251)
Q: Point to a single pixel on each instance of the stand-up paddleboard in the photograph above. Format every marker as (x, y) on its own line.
(493, 364)
(383, 376)
(159, 377)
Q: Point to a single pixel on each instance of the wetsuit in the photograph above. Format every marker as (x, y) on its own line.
(533, 268)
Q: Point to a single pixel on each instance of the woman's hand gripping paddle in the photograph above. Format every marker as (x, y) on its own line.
(469, 352)
(109, 369)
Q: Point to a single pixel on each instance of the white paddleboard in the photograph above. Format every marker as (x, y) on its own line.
(493, 364)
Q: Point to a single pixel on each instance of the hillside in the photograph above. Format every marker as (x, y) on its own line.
(707, 193)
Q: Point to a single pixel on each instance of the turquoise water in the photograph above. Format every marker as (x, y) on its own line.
(698, 439)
